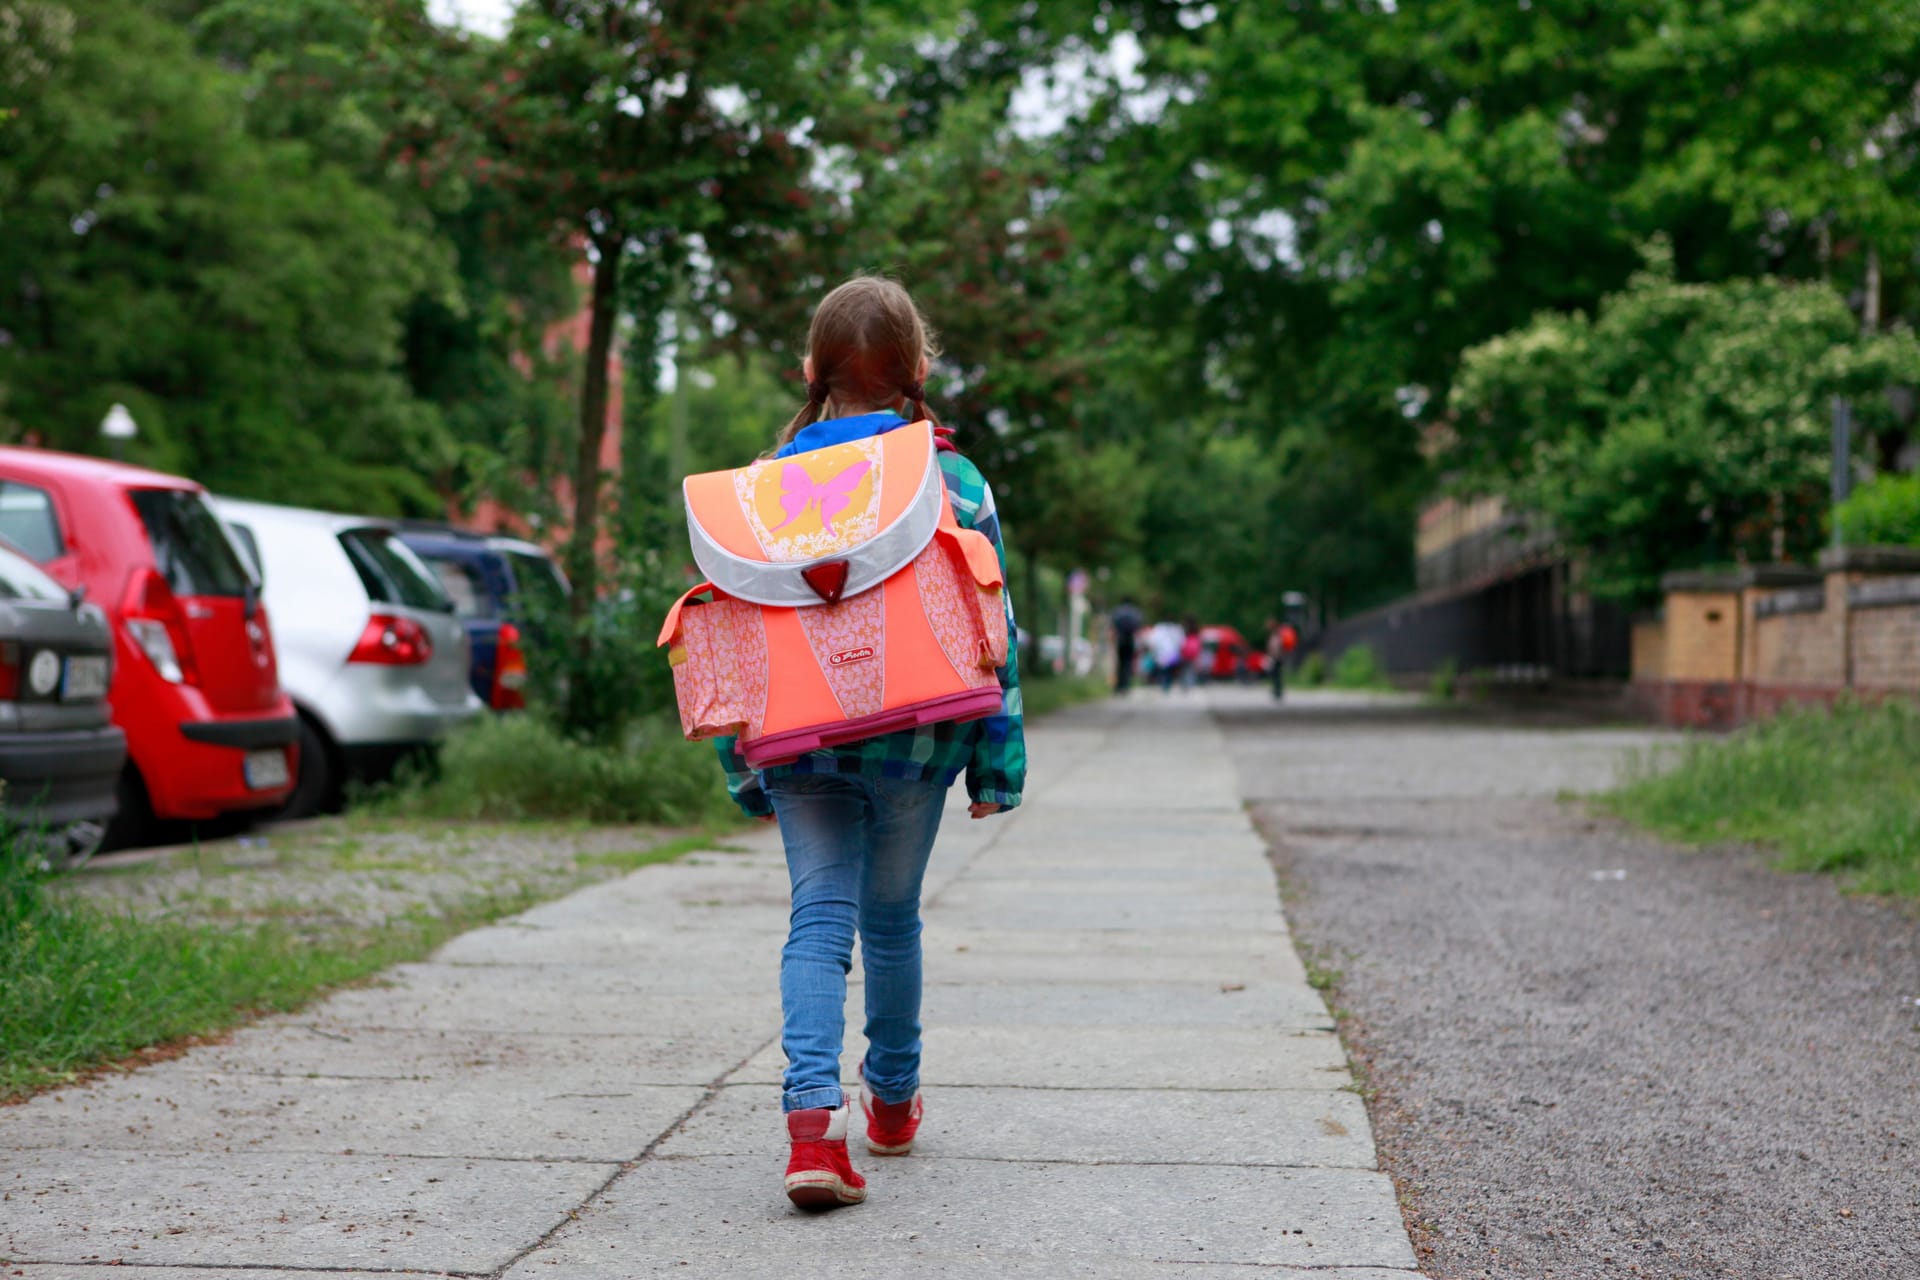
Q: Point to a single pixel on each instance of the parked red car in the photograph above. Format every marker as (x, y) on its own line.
(1226, 655)
(195, 684)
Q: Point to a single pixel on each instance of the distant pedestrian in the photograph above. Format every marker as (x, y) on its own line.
(859, 820)
(1190, 650)
(1282, 640)
(1126, 622)
(1164, 641)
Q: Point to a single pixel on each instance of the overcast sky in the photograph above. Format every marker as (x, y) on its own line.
(489, 16)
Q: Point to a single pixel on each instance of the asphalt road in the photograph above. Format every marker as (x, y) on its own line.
(1592, 1054)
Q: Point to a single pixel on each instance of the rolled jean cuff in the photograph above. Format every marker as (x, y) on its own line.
(893, 1096)
(820, 1095)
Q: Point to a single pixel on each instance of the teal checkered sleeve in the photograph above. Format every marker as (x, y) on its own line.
(743, 782)
(997, 771)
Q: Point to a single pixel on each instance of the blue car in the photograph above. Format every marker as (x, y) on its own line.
(497, 584)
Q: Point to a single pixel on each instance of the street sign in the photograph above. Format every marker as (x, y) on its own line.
(119, 424)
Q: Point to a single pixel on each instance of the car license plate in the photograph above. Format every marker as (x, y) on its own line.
(85, 680)
(267, 769)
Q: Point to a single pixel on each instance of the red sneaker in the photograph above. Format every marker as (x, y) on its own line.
(890, 1125)
(820, 1173)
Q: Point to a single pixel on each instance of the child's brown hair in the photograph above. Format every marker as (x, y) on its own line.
(867, 342)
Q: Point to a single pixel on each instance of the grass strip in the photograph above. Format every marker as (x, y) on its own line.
(1828, 790)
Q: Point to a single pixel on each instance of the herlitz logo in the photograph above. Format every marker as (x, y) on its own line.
(845, 656)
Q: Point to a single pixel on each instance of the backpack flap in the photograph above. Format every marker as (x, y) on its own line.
(820, 526)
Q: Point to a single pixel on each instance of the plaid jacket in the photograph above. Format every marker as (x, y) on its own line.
(991, 752)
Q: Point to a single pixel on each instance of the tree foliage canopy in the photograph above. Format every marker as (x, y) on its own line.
(1204, 310)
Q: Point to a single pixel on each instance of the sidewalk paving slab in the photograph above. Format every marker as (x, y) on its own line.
(709, 1212)
(558, 1112)
(41, 1271)
(283, 1048)
(284, 1208)
(1212, 1059)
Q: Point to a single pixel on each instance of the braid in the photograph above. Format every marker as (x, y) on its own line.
(808, 415)
(916, 395)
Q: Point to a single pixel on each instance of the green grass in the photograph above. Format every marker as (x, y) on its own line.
(86, 986)
(1835, 791)
(520, 768)
(1359, 668)
(1044, 694)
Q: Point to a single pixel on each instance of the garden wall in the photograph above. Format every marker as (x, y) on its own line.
(1729, 647)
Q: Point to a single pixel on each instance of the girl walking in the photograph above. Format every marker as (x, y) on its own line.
(859, 820)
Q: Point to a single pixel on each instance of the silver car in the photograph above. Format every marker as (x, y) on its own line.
(370, 650)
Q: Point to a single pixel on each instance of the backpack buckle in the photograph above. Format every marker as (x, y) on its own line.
(828, 580)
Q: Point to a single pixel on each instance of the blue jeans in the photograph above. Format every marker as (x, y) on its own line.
(857, 851)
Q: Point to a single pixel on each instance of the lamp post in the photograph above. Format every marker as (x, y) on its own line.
(118, 427)
(1842, 461)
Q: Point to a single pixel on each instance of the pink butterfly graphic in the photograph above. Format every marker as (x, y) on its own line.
(831, 494)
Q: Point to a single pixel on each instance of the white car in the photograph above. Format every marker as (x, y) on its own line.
(370, 650)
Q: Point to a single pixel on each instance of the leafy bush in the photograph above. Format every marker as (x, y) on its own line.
(597, 675)
(1312, 672)
(1884, 513)
(1445, 680)
(1359, 668)
(1830, 790)
(518, 767)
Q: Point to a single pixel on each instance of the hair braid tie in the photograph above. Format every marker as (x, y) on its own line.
(817, 391)
(916, 392)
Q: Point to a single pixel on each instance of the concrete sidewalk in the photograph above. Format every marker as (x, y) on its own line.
(1127, 1075)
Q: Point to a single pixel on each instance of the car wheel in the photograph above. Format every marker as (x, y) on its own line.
(134, 823)
(317, 788)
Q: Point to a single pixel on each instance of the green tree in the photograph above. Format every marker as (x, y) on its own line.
(646, 135)
(1683, 425)
(242, 297)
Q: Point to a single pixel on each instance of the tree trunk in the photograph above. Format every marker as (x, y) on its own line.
(1870, 310)
(583, 564)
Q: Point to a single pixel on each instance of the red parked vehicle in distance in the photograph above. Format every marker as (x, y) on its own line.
(1226, 655)
(195, 685)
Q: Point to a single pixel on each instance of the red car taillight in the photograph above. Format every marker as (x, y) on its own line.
(9, 670)
(509, 671)
(158, 626)
(393, 642)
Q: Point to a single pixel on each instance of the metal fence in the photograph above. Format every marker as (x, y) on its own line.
(1527, 625)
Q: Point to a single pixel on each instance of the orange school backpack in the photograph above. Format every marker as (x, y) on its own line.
(842, 601)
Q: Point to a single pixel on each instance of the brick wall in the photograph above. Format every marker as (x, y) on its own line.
(1736, 646)
(1886, 642)
(1801, 648)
